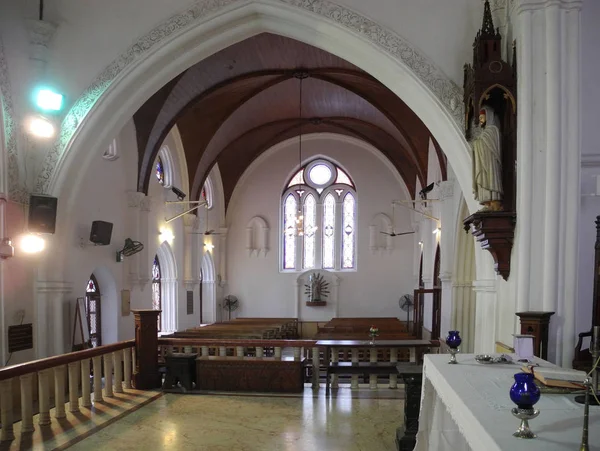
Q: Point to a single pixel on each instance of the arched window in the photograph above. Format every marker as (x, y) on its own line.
(156, 292)
(318, 220)
(93, 311)
(160, 171)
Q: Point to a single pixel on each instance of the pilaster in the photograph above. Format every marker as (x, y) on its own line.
(485, 295)
(53, 317)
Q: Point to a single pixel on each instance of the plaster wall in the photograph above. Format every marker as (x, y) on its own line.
(380, 279)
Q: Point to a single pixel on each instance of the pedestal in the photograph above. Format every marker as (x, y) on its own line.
(146, 349)
(537, 324)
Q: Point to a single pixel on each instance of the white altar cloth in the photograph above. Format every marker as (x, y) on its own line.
(467, 407)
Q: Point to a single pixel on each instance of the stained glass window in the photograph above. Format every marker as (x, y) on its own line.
(91, 287)
(343, 178)
(329, 232)
(156, 294)
(207, 193)
(348, 231)
(316, 197)
(160, 173)
(310, 230)
(297, 179)
(289, 226)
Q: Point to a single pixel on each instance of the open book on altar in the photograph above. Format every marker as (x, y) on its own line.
(557, 377)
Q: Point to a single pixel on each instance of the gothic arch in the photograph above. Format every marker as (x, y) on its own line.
(148, 65)
(168, 279)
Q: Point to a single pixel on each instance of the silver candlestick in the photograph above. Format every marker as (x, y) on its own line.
(586, 416)
(525, 415)
(453, 352)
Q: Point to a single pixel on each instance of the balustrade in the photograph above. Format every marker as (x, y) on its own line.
(67, 375)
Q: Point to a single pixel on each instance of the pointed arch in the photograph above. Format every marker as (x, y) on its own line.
(168, 288)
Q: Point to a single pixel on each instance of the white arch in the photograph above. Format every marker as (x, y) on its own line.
(212, 26)
(168, 165)
(209, 289)
(169, 286)
(109, 310)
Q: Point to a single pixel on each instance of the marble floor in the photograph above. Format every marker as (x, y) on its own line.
(359, 420)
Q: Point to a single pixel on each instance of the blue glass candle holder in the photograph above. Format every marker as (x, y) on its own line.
(453, 341)
(525, 394)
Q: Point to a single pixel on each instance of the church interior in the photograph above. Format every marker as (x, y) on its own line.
(271, 224)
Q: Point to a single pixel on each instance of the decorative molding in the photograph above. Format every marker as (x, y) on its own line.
(111, 153)
(446, 190)
(448, 92)
(17, 192)
(146, 203)
(535, 5)
(40, 35)
(53, 286)
(589, 160)
(134, 199)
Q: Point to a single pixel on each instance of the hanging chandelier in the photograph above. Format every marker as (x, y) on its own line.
(301, 229)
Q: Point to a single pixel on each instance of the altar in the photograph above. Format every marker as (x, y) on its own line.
(467, 407)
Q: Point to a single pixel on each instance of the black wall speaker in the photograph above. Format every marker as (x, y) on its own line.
(42, 214)
(101, 232)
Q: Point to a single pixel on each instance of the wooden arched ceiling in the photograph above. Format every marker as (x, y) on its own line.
(234, 105)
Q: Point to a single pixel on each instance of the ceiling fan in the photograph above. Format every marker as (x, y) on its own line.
(393, 233)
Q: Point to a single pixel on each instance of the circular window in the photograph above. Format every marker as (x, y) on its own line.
(320, 174)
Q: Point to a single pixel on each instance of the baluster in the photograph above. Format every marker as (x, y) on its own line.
(86, 400)
(108, 389)
(97, 362)
(204, 351)
(127, 365)
(26, 403)
(187, 349)
(316, 356)
(394, 376)
(297, 353)
(74, 387)
(222, 351)
(239, 351)
(335, 357)
(354, 380)
(134, 367)
(44, 397)
(413, 355)
(373, 377)
(6, 411)
(260, 351)
(118, 378)
(59, 392)
(277, 352)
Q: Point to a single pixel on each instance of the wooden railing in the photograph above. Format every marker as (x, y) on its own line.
(73, 368)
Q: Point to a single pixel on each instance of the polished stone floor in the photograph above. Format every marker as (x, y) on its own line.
(360, 420)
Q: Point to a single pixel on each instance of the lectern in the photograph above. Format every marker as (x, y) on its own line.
(145, 373)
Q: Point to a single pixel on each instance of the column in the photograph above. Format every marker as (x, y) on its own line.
(6, 410)
(59, 392)
(549, 138)
(485, 311)
(97, 362)
(44, 396)
(86, 400)
(74, 386)
(52, 298)
(447, 251)
(144, 236)
(108, 376)
(118, 360)
(146, 345)
(127, 367)
(134, 200)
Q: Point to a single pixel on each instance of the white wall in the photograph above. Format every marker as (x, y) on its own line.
(380, 280)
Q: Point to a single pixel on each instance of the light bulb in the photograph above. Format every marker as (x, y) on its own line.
(166, 235)
(41, 127)
(32, 244)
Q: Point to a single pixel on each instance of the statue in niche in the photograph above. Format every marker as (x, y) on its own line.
(487, 161)
(317, 288)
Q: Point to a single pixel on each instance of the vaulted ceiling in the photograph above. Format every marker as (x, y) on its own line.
(236, 104)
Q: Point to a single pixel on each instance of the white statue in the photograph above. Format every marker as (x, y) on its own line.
(487, 161)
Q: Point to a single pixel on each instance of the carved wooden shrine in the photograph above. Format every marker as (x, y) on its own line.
(492, 81)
